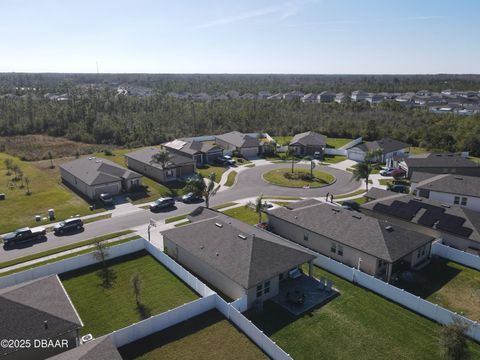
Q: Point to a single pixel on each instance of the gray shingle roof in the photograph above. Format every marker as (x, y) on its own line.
(471, 219)
(439, 160)
(387, 145)
(239, 139)
(25, 307)
(452, 184)
(419, 176)
(358, 231)
(96, 171)
(99, 349)
(309, 138)
(190, 146)
(248, 260)
(145, 156)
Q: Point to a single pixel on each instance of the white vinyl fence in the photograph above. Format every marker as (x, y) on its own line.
(458, 256)
(400, 296)
(352, 143)
(69, 264)
(330, 151)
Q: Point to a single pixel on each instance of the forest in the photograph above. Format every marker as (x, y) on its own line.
(98, 115)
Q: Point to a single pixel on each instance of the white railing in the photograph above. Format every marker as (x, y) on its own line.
(458, 256)
(73, 263)
(400, 296)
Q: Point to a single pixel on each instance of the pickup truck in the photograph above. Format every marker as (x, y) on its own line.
(24, 234)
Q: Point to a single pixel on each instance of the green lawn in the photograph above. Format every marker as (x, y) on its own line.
(357, 324)
(448, 284)
(417, 150)
(337, 142)
(245, 214)
(282, 197)
(231, 178)
(225, 205)
(206, 170)
(204, 337)
(278, 177)
(333, 159)
(47, 192)
(354, 193)
(104, 310)
(175, 218)
(283, 140)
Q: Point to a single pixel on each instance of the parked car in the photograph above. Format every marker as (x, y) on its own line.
(106, 199)
(386, 171)
(162, 203)
(398, 173)
(317, 155)
(350, 205)
(190, 197)
(399, 188)
(68, 225)
(226, 160)
(24, 234)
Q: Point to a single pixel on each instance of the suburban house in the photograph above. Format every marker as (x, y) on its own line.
(101, 348)
(377, 247)
(38, 310)
(309, 143)
(236, 258)
(175, 168)
(326, 96)
(454, 225)
(245, 144)
(309, 98)
(94, 176)
(449, 189)
(200, 152)
(359, 95)
(440, 163)
(390, 149)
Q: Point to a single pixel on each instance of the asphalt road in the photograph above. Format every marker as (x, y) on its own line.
(249, 184)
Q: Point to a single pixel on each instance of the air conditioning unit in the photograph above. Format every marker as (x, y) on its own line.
(86, 338)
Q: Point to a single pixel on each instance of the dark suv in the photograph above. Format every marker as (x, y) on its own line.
(68, 225)
(162, 203)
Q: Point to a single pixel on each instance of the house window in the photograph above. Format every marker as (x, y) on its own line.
(340, 250)
(333, 248)
(266, 288)
(259, 290)
(464, 201)
(457, 200)
(169, 173)
(305, 237)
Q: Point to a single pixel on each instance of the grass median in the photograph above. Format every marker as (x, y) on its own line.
(299, 178)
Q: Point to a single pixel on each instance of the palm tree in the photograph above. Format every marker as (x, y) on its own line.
(162, 157)
(205, 188)
(291, 154)
(258, 205)
(361, 171)
(312, 164)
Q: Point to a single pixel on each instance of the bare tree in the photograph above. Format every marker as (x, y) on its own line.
(137, 287)
(51, 160)
(27, 183)
(101, 254)
(8, 165)
(453, 341)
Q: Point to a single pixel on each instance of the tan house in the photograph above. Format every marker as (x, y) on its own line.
(247, 145)
(374, 246)
(456, 226)
(236, 258)
(94, 176)
(34, 311)
(308, 143)
(177, 167)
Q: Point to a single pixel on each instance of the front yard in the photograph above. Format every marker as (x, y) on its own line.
(299, 178)
(207, 336)
(206, 170)
(47, 191)
(448, 284)
(103, 310)
(357, 324)
(333, 159)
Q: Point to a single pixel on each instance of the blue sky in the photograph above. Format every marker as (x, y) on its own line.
(283, 36)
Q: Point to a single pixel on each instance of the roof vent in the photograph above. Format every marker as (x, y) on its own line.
(218, 225)
(216, 254)
(45, 324)
(458, 178)
(389, 228)
(296, 217)
(356, 216)
(243, 237)
(90, 158)
(202, 247)
(446, 206)
(418, 198)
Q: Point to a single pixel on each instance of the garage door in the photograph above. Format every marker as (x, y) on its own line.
(112, 189)
(355, 156)
(250, 152)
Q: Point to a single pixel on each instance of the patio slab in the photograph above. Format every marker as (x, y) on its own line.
(308, 286)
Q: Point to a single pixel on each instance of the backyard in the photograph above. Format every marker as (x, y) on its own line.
(299, 178)
(448, 284)
(357, 324)
(243, 213)
(19, 209)
(337, 142)
(103, 310)
(207, 336)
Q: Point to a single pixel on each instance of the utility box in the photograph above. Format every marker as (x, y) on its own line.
(51, 214)
(38, 218)
(2, 196)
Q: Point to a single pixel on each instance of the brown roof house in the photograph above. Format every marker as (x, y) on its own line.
(456, 226)
(247, 145)
(93, 176)
(309, 143)
(177, 166)
(34, 311)
(200, 152)
(236, 258)
(375, 246)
